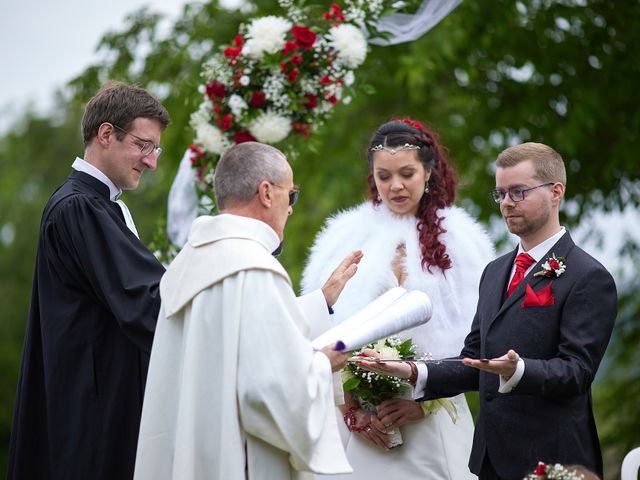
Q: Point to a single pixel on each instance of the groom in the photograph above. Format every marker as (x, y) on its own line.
(544, 317)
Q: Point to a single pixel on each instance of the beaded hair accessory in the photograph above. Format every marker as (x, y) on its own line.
(393, 151)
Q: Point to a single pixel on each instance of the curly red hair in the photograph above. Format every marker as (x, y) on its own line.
(442, 184)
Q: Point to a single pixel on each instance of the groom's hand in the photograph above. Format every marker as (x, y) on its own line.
(504, 365)
(340, 276)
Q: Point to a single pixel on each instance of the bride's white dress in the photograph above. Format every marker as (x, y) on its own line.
(434, 448)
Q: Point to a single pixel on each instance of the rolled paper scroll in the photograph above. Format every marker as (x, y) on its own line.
(412, 309)
(354, 322)
(393, 312)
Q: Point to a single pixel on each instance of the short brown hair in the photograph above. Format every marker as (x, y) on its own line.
(120, 104)
(547, 162)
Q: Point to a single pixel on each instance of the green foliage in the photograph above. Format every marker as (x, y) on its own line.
(371, 388)
(492, 73)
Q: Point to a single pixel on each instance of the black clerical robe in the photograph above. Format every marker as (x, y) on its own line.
(94, 305)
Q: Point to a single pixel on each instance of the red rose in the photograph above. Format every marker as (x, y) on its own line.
(325, 80)
(335, 13)
(553, 263)
(302, 128)
(216, 89)
(289, 47)
(238, 40)
(225, 122)
(231, 52)
(541, 469)
(293, 75)
(242, 136)
(197, 154)
(305, 38)
(283, 67)
(312, 101)
(333, 99)
(296, 60)
(258, 99)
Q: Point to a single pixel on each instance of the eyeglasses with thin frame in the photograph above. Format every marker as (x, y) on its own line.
(516, 194)
(146, 147)
(293, 194)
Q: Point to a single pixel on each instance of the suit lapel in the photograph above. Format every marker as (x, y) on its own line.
(561, 249)
(499, 286)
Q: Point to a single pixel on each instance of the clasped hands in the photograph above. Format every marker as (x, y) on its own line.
(391, 414)
(505, 366)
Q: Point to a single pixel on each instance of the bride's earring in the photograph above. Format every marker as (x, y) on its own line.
(426, 187)
(379, 198)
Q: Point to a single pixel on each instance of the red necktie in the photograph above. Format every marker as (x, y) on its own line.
(523, 261)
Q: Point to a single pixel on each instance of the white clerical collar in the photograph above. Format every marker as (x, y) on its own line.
(539, 250)
(84, 166)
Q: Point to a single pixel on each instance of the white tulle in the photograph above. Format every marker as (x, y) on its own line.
(182, 208)
(405, 27)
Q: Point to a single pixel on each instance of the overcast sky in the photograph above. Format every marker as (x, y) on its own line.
(44, 44)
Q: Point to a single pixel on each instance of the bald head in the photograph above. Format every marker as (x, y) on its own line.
(242, 168)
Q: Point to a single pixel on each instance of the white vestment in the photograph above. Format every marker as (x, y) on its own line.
(434, 448)
(234, 388)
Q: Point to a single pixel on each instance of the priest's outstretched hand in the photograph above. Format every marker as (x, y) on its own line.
(340, 276)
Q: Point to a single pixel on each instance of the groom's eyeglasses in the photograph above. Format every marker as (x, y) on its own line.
(293, 193)
(516, 194)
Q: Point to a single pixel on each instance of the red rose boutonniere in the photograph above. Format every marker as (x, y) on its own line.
(553, 266)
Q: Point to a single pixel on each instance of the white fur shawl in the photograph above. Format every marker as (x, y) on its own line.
(377, 232)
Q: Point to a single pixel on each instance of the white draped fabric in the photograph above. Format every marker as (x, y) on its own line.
(405, 27)
(183, 202)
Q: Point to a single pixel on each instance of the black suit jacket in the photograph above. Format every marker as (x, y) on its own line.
(548, 416)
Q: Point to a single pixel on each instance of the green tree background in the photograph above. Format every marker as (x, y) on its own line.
(491, 74)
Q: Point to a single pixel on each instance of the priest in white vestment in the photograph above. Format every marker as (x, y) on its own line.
(235, 389)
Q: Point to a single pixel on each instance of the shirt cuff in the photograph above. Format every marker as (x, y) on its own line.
(421, 382)
(506, 386)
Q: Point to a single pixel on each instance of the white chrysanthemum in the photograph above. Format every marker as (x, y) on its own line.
(350, 44)
(266, 34)
(270, 127)
(211, 138)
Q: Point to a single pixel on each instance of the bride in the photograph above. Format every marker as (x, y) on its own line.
(413, 236)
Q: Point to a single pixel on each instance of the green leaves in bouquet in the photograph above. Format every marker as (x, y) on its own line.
(372, 388)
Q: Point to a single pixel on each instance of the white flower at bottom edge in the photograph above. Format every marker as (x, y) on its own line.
(349, 43)
(270, 127)
(211, 138)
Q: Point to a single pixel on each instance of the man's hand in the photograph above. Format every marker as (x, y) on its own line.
(337, 359)
(340, 276)
(504, 365)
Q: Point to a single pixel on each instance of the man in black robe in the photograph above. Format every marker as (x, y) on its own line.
(94, 305)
